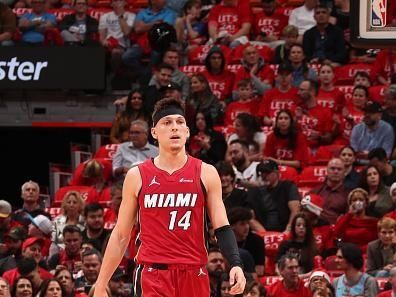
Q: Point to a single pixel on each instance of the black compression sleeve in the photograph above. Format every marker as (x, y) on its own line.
(228, 245)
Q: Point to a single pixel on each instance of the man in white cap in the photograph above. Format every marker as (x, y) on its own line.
(41, 227)
(319, 280)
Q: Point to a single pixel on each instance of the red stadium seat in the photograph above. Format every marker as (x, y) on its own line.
(381, 281)
(53, 211)
(325, 153)
(96, 13)
(304, 190)
(272, 241)
(288, 173)
(312, 176)
(344, 74)
(89, 194)
(104, 197)
(376, 93)
(106, 151)
(269, 280)
(331, 266)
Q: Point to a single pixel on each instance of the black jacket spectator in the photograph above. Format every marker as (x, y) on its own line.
(90, 23)
(329, 46)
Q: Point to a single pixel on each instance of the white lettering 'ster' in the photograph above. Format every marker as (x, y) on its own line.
(21, 70)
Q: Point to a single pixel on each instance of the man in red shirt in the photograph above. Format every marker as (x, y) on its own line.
(31, 249)
(246, 103)
(254, 68)
(219, 78)
(283, 96)
(315, 121)
(230, 22)
(290, 285)
(166, 197)
(269, 23)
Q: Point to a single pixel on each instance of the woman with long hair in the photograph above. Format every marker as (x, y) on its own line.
(22, 287)
(352, 177)
(301, 69)
(285, 145)
(301, 242)
(202, 99)
(52, 288)
(206, 143)
(71, 214)
(133, 111)
(379, 202)
(248, 129)
(353, 113)
(356, 226)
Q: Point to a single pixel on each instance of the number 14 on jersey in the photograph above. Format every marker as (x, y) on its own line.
(183, 222)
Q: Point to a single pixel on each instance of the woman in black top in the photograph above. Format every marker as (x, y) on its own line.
(205, 143)
(301, 242)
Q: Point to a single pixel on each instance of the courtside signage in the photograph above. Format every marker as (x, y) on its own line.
(52, 68)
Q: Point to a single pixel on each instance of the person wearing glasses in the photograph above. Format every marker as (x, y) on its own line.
(79, 27)
(135, 151)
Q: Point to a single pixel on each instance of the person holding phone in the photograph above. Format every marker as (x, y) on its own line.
(356, 226)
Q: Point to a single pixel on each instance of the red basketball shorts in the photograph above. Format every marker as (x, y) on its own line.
(171, 281)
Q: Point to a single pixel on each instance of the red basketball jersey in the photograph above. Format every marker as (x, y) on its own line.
(171, 214)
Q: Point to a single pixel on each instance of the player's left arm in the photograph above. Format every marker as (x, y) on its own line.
(224, 234)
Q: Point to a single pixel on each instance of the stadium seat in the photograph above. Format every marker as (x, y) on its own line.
(78, 178)
(104, 197)
(376, 93)
(272, 240)
(312, 176)
(89, 194)
(53, 211)
(304, 190)
(344, 74)
(226, 131)
(106, 151)
(288, 173)
(269, 280)
(381, 281)
(331, 266)
(325, 153)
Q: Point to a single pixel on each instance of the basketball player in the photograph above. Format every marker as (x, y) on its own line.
(169, 196)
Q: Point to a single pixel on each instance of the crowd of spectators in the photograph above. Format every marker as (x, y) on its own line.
(306, 157)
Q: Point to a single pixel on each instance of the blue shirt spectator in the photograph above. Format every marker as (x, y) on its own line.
(372, 132)
(34, 24)
(147, 16)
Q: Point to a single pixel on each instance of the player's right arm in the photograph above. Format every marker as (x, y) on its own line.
(120, 236)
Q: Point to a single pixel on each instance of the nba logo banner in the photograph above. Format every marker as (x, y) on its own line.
(378, 13)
